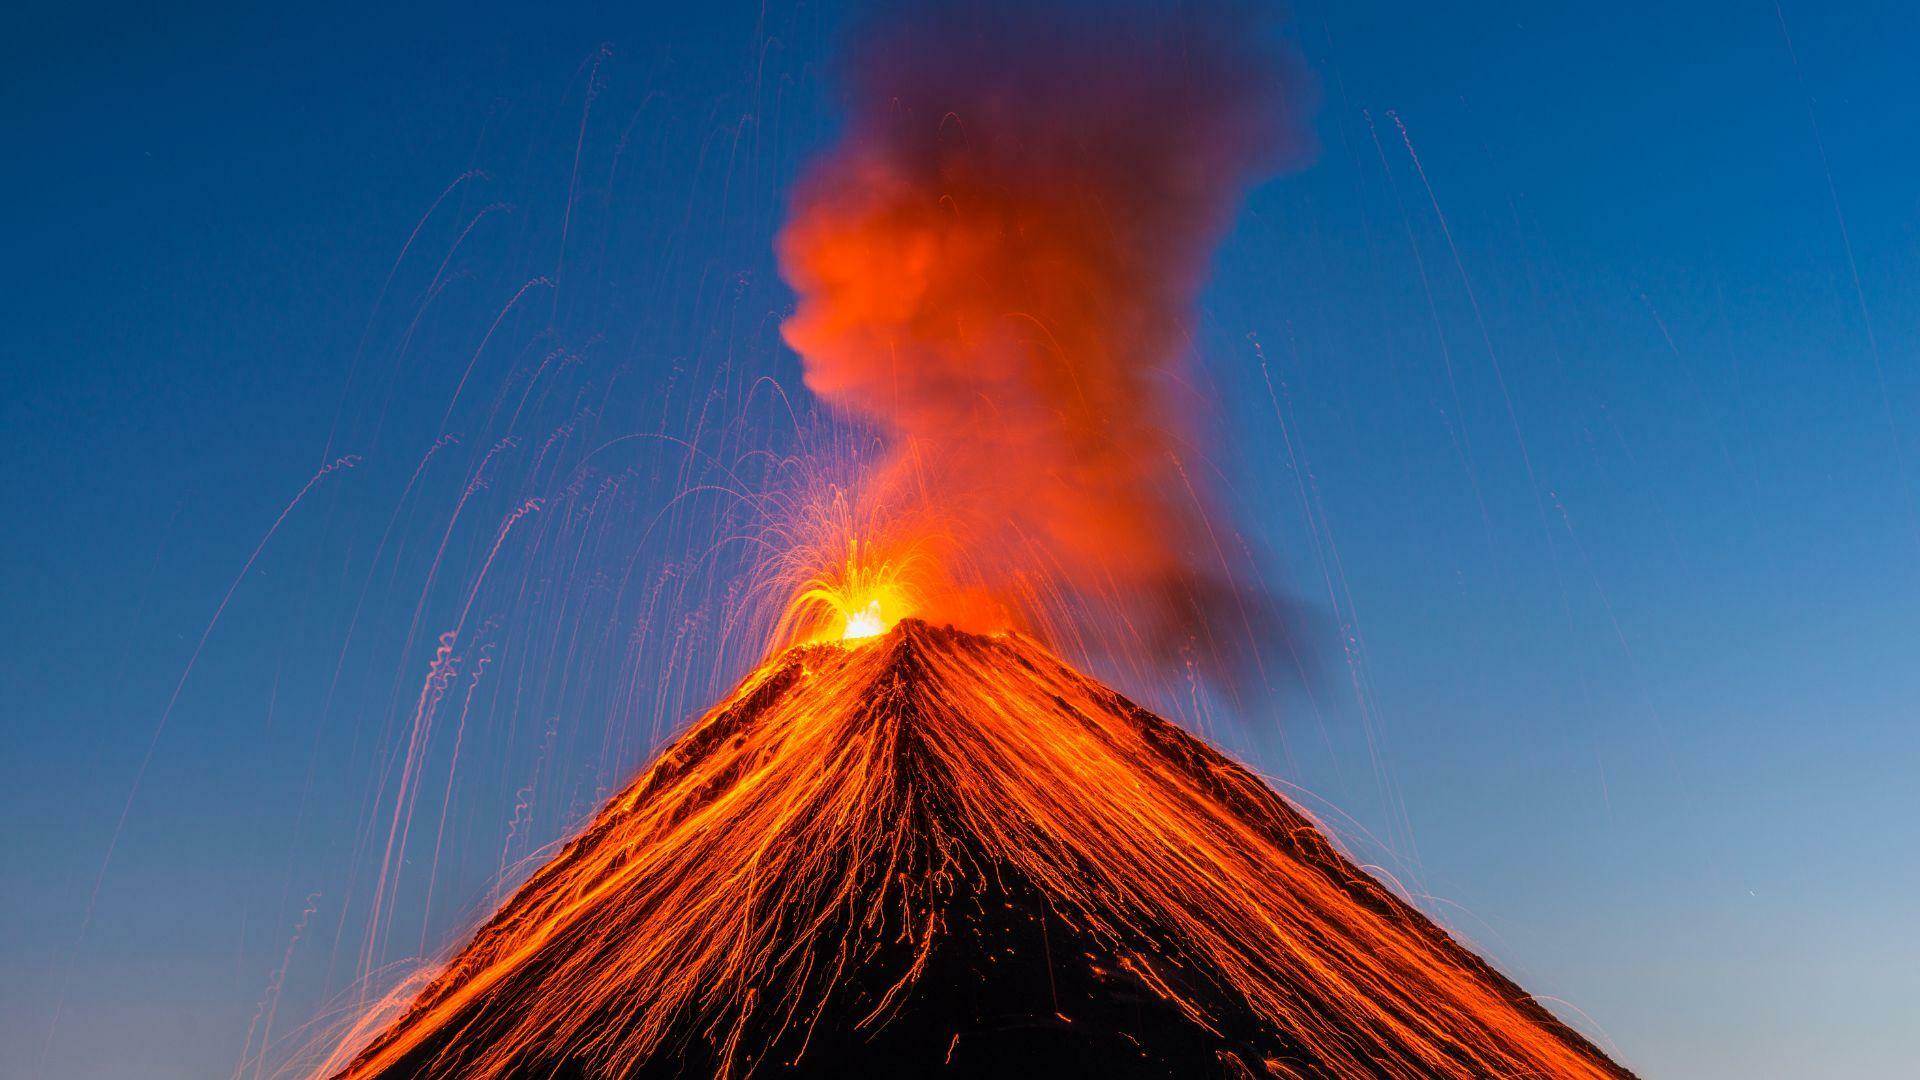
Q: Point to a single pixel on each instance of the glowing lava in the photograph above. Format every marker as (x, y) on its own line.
(865, 623)
(944, 853)
(860, 594)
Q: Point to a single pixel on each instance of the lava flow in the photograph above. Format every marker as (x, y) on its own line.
(929, 851)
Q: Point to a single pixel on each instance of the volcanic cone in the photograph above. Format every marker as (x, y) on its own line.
(935, 853)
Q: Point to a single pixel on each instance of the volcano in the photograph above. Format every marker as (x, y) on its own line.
(934, 853)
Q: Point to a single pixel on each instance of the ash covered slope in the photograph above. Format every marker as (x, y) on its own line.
(938, 853)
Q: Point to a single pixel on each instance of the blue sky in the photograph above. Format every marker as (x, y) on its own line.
(1603, 494)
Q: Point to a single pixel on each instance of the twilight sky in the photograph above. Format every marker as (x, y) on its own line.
(1590, 446)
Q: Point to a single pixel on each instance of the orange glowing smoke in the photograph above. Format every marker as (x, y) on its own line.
(996, 268)
(910, 854)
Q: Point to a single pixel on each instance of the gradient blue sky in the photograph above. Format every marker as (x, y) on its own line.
(1615, 631)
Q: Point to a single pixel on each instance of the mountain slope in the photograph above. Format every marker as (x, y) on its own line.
(939, 853)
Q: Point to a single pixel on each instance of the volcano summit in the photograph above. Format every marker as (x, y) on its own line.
(935, 853)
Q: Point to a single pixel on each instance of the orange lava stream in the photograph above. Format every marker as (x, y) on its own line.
(842, 789)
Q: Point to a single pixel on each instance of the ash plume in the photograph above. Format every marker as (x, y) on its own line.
(997, 267)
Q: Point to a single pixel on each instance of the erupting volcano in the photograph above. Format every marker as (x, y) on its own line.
(929, 852)
(902, 850)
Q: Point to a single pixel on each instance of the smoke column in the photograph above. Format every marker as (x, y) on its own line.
(997, 267)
